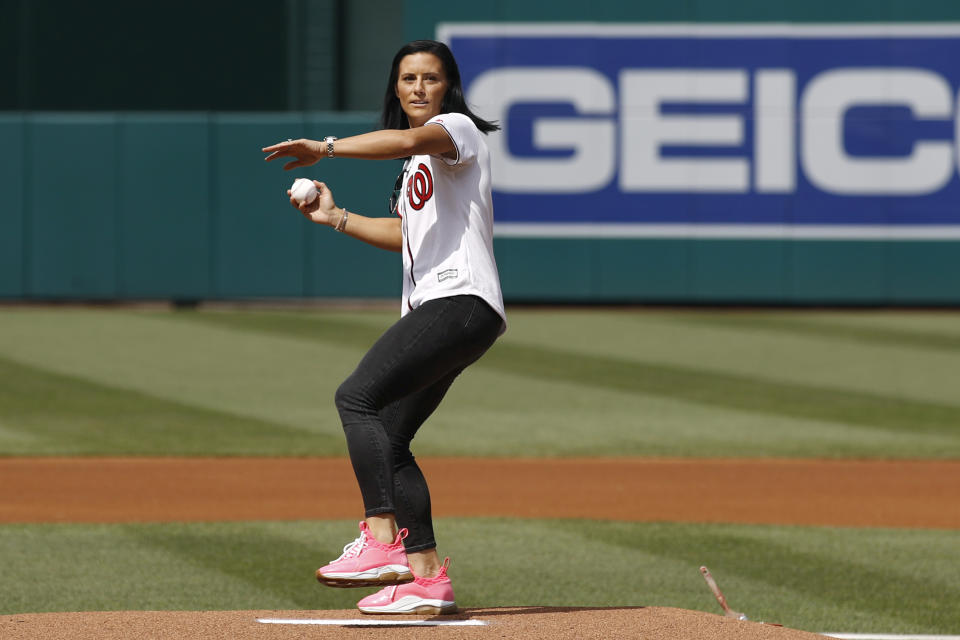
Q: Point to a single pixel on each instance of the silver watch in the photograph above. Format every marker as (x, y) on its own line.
(329, 140)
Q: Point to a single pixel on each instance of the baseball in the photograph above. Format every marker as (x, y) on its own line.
(303, 190)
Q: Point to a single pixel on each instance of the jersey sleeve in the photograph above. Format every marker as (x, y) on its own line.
(465, 136)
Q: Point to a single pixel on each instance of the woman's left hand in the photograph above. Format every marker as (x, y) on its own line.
(306, 152)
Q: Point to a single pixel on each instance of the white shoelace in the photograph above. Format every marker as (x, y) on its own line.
(354, 548)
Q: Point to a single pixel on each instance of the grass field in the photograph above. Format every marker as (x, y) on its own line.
(821, 579)
(559, 383)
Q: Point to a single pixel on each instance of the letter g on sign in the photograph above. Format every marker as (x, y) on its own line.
(591, 139)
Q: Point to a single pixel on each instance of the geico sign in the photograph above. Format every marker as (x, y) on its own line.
(621, 131)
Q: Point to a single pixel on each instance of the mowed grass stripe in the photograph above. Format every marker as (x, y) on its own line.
(358, 331)
(731, 391)
(168, 566)
(813, 326)
(896, 581)
(280, 566)
(827, 575)
(58, 413)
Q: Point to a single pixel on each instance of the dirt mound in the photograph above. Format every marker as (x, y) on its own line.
(529, 623)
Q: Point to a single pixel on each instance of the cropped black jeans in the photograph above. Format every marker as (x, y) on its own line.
(397, 385)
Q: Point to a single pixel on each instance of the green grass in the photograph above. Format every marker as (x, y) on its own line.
(820, 579)
(559, 383)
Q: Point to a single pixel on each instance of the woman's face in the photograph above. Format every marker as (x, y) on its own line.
(421, 86)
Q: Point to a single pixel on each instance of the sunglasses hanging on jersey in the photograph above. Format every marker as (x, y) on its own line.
(397, 189)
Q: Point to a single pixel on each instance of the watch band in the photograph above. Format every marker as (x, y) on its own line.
(329, 140)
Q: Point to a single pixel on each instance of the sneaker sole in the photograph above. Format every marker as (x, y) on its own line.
(413, 605)
(384, 579)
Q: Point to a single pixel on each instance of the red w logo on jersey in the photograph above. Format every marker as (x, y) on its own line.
(420, 187)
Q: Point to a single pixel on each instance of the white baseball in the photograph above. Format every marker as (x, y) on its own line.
(303, 190)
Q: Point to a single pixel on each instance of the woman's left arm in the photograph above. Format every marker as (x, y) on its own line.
(387, 144)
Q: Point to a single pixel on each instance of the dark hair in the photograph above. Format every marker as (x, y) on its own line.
(393, 117)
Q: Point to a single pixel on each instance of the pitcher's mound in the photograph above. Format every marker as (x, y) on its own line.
(528, 623)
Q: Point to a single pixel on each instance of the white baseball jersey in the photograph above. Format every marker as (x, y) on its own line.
(447, 213)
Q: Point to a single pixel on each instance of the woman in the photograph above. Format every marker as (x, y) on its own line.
(452, 312)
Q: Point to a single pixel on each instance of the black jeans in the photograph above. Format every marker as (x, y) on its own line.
(395, 388)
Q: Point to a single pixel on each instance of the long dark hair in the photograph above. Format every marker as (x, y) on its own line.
(393, 117)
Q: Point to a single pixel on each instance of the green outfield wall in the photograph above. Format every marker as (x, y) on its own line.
(143, 206)
(182, 206)
(108, 197)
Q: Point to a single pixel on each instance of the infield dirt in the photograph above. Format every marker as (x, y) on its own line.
(906, 493)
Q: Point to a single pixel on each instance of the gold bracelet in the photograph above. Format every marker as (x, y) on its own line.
(343, 222)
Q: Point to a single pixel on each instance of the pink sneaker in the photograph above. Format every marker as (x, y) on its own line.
(423, 595)
(368, 563)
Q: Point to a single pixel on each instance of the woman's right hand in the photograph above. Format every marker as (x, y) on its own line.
(323, 210)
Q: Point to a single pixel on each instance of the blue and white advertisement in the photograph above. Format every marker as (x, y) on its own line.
(780, 131)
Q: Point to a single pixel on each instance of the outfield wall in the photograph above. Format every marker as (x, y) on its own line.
(129, 205)
(135, 206)
(180, 206)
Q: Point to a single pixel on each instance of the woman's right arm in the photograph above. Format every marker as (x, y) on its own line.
(383, 233)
